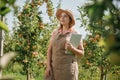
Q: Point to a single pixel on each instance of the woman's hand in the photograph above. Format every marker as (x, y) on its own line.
(69, 46)
(47, 72)
(77, 51)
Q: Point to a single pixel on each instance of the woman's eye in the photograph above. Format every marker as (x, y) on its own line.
(65, 16)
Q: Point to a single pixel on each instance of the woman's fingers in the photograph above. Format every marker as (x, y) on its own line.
(66, 45)
(47, 73)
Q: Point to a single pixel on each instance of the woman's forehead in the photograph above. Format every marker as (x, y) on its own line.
(63, 13)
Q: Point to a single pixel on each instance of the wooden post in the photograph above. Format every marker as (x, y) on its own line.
(1, 45)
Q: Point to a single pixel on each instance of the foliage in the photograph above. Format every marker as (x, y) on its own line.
(31, 37)
(104, 17)
(3, 26)
(101, 19)
(4, 9)
(5, 6)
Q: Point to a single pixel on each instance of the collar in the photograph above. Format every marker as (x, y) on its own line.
(68, 31)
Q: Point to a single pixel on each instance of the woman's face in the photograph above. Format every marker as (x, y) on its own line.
(64, 19)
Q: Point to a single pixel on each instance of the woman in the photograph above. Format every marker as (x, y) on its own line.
(62, 66)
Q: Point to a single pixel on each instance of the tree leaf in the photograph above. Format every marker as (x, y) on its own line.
(2, 4)
(12, 1)
(3, 26)
(5, 11)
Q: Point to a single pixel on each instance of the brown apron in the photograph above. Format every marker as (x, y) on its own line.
(64, 65)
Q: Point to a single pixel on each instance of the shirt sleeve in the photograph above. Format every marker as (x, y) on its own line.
(81, 45)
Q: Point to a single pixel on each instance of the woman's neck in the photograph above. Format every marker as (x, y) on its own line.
(65, 28)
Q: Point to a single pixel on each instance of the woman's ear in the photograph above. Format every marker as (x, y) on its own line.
(70, 25)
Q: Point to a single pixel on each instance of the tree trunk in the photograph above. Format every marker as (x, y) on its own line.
(105, 78)
(28, 75)
(101, 74)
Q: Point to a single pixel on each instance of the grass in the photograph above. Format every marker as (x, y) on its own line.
(84, 74)
(94, 74)
(17, 72)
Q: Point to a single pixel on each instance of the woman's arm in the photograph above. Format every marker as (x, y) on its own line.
(48, 66)
(49, 51)
(49, 54)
